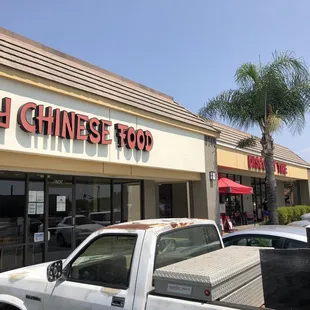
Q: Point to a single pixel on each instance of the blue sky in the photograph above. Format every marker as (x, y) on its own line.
(188, 49)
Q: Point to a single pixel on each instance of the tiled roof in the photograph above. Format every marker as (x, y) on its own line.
(28, 56)
(231, 137)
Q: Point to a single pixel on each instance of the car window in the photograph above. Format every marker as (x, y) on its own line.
(105, 262)
(294, 244)
(104, 217)
(236, 240)
(68, 221)
(83, 220)
(186, 243)
(265, 241)
(255, 240)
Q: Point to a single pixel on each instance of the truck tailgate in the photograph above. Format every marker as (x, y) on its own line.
(160, 303)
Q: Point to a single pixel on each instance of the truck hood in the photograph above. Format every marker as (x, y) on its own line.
(22, 281)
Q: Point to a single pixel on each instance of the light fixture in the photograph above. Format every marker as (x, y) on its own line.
(212, 175)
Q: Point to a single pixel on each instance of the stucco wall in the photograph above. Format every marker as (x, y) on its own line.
(204, 193)
(174, 148)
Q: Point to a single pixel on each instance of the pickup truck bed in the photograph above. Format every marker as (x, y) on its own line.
(157, 302)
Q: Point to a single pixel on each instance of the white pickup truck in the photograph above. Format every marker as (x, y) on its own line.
(113, 268)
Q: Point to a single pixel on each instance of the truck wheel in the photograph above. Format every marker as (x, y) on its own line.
(61, 240)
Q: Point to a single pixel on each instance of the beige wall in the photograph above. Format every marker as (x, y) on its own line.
(172, 148)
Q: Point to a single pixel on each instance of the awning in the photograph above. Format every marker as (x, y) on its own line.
(227, 186)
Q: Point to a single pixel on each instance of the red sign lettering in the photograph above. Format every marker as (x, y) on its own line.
(5, 113)
(140, 140)
(69, 125)
(22, 117)
(258, 163)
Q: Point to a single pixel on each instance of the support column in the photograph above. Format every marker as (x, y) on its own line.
(204, 193)
(150, 198)
(304, 190)
(280, 194)
(247, 199)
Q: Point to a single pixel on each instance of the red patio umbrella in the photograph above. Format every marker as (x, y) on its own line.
(227, 186)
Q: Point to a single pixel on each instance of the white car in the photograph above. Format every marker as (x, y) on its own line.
(83, 228)
(104, 217)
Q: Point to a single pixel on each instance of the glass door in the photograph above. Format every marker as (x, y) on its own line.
(61, 219)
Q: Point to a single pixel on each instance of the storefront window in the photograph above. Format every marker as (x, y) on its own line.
(35, 208)
(165, 200)
(12, 208)
(234, 203)
(72, 208)
(259, 197)
(93, 200)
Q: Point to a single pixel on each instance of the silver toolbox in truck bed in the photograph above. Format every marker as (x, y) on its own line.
(211, 276)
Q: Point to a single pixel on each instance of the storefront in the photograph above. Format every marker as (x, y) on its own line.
(82, 148)
(246, 166)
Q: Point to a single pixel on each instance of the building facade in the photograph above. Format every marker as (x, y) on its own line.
(82, 148)
(246, 167)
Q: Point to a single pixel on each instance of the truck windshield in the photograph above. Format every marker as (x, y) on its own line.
(185, 243)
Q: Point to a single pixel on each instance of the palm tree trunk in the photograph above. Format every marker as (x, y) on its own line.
(271, 185)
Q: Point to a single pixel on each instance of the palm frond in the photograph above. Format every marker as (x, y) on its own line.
(247, 75)
(247, 142)
(288, 66)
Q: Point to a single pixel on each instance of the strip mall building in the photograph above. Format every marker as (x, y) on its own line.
(81, 148)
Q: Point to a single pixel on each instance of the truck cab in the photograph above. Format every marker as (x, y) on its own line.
(113, 268)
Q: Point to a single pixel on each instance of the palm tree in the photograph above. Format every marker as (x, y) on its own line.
(269, 96)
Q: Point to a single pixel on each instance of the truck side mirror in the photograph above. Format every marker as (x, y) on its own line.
(54, 271)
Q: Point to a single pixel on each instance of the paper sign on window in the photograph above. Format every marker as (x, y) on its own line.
(32, 196)
(61, 204)
(40, 196)
(38, 237)
(31, 208)
(40, 208)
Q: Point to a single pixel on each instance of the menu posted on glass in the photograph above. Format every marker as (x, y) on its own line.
(40, 196)
(32, 196)
(31, 208)
(40, 208)
(61, 204)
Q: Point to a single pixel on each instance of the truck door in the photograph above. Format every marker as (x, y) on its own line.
(101, 276)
